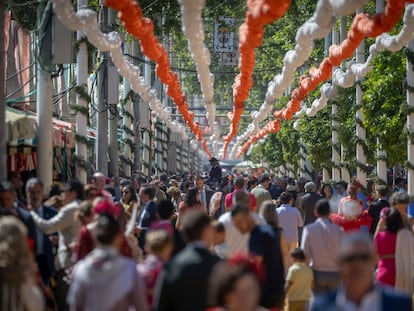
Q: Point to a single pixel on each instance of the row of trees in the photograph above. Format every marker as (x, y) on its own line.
(384, 103)
(385, 112)
(384, 100)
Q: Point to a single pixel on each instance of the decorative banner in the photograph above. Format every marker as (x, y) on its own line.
(259, 13)
(142, 28)
(192, 27)
(224, 35)
(362, 26)
(86, 20)
(317, 27)
(347, 79)
(231, 58)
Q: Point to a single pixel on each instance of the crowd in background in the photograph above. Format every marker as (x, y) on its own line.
(204, 242)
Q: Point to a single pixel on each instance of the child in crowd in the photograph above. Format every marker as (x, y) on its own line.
(299, 282)
(220, 247)
(159, 246)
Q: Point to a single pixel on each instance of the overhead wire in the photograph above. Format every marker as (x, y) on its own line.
(20, 87)
(19, 72)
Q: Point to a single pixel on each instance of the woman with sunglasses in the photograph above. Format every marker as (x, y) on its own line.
(129, 198)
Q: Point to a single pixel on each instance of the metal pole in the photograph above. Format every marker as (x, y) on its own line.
(360, 130)
(113, 99)
(3, 130)
(44, 115)
(381, 153)
(81, 80)
(410, 120)
(102, 114)
(136, 127)
(342, 34)
(336, 173)
(147, 137)
(126, 121)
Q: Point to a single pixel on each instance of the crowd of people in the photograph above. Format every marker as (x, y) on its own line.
(197, 242)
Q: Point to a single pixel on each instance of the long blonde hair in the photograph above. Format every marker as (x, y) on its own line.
(16, 263)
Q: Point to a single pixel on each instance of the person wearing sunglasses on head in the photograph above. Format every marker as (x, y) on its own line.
(356, 261)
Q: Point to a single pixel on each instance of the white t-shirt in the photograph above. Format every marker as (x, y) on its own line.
(237, 242)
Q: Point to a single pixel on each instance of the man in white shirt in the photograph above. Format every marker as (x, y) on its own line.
(320, 242)
(68, 227)
(237, 241)
(290, 220)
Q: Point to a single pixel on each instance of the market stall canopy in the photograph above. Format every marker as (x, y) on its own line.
(247, 164)
(21, 127)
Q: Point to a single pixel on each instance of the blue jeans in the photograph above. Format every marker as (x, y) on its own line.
(325, 281)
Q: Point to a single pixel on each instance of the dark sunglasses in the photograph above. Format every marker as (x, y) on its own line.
(356, 257)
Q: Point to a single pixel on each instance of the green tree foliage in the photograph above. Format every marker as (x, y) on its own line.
(24, 12)
(384, 105)
(384, 101)
(316, 135)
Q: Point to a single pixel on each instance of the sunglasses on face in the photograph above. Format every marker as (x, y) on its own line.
(356, 257)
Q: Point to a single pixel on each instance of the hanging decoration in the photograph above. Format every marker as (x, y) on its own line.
(362, 26)
(86, 21)
(142, 28)
(346, 79)
(270, 127)
(215, 137)
(192, 27)
(204, 144)
(317, 27)
(259, 14)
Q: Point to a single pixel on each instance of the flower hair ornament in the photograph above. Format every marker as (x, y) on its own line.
(106, 207)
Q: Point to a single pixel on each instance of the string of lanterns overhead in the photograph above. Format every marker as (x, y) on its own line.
(317, 27)
(346, 79)
(86, 20)
(362, 26)
(259, 14)
(142, 28)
